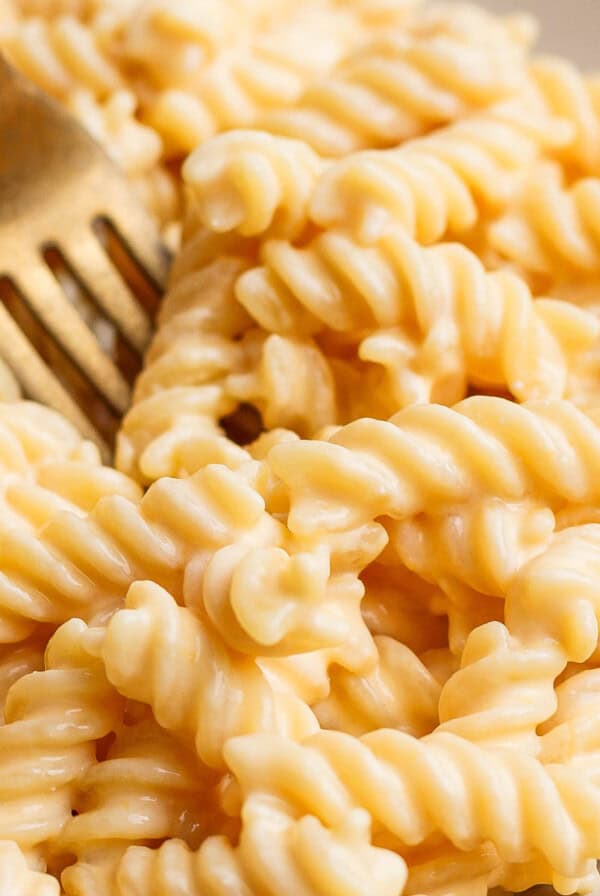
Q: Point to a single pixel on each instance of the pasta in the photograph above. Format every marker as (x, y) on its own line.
(368, 329)
(401, 86)
(17, 879)
(147, 788)
(52, 722)
(439, 185)
(334, 284)
(429, 457)
(253, 183)
(44, 476)
(331, 626)
(552, 231)
(301, 857)
(269, 70)
(401, 782)
(195, 686)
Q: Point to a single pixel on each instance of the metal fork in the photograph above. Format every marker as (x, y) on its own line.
(55, 184)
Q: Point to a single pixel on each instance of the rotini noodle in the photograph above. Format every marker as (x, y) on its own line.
(438, 185)
(53, 720)
(17, 880)
(430, 458)
(277, 853)
(405, 84)
(269, 72)
(62, 55)
(553, 231)
(161, 654)
(253, 183)
(414, 788)
(148, 788)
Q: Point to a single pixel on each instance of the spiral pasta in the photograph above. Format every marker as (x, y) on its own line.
(17, 880)
(19, 660)
(402, 85)
(439, 185)
(553, 230)
(269, 71)
(252, 182)
(400, 693)
(566, 92)
(52, 722)
(277, 853)
(404, 783)
(430, 458)
(83, 564)
(62, 55)
(161, 654)
(147, 788)
(59, 473)
(398, 289)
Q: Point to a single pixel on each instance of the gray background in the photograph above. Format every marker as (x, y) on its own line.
(571, 27)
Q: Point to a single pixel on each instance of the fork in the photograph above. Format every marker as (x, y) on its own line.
(56, 184)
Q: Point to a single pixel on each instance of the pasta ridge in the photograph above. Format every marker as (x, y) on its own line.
(400, 781)
(146, 789)
(53, 720)
(196, 686)
(393, 89)
(302, 857)
(434, 318)
(432, 459)
(18, 880)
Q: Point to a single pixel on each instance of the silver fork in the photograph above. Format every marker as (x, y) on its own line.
(55, 185)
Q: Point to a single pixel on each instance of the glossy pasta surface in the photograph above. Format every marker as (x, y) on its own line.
(330, 625)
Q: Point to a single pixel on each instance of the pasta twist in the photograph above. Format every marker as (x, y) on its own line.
(502, 692)
(553, 230)
(148, 788)
(431, 458)
(438, 185)
(18, 661)
(161, 654)
(404, 84)
(277, 853)
(171, 428)
(17, 880)
(439, 784)
(566, 92)
(555, 597)
(252, 182)
(479, 547)
(431, 318)
(31, 434)
(53, 720)
(61, 56)
(83, 564)
(31, 496)
(400, 693)
(187, 35)
(267, 72)
(276, 602)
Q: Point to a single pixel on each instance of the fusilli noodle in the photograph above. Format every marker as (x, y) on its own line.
(277, 853)
(402, 85)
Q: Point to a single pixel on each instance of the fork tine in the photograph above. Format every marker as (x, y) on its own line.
(39, 382)
(94, 268)
(138, 231)
(44, 295)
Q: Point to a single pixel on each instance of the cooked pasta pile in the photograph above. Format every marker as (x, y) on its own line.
(331, 626)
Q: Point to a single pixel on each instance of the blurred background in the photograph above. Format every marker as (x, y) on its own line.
(571, 27)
